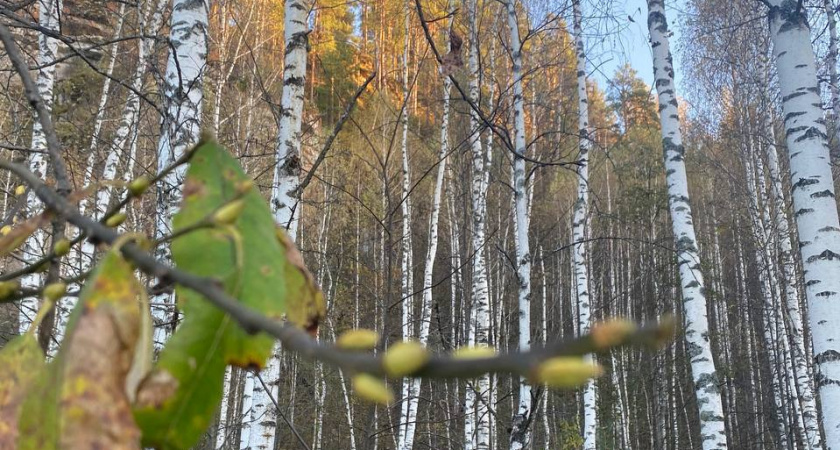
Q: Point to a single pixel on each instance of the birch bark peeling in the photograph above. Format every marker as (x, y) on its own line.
(703, 372)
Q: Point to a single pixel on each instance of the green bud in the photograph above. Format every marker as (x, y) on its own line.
(61, 247)
(138, 186)
(404, 358)
(372, 389)
(8, 288)
(566, 372)
(116, 220)
(358, 339)
(477, 352)
(54, 291)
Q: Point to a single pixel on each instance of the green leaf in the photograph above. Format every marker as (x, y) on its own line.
(180, 398)
(80, 401)
(21, 362)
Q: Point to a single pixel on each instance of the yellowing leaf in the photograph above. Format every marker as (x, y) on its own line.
(21, 362)
(178, 401)
(16, 236)
(81, 402)
(305, 306)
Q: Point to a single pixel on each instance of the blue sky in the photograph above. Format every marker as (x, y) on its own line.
(626, 40)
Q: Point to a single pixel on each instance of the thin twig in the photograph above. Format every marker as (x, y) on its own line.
(336, 129)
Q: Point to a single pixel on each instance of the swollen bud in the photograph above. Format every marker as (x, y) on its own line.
(476, 352)
(54, 291)
(372, 389)
(116, 220)
(404, 358)
(228, 213)
(358, 339)
(611, 333)
(20, 190)
(8, 288)
(61, 247)
(138, 186)
(566, 372)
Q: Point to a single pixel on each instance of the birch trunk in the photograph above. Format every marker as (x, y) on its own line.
(284, 195)
(704, 374)
(580, 228)
(48, 13)
(477, 417)
(519, 435)
(790, 281)
(183, 96)
(831, 63)
(814, 204)
(408, 409)
(425, 319)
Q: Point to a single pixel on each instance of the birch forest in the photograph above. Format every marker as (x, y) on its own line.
(419, 224)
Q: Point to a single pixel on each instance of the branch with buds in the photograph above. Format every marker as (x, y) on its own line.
(550, 364)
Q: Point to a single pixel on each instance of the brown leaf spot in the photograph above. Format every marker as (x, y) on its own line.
(158, 387)
(193, 187)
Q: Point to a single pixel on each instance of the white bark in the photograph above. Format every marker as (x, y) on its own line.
(814, 204)
(477, 416)
(182, 93)
(284, 195)
(790, 281)
(519, 435)
(34, 246)
(580, 228)
(831, 63)
(223, 429)
(247, 410)
(425, 319)
(704, 374)
(408, 408)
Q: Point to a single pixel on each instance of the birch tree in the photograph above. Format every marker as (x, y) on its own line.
(477, 415)
(180, 127)
(814, 204)
(704, 374)
(425, 319)
(34, 246)
(519, 435)
(580, 227)
(284, 192)
(408, 409)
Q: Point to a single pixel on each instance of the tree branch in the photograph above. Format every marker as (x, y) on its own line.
(297, 340)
